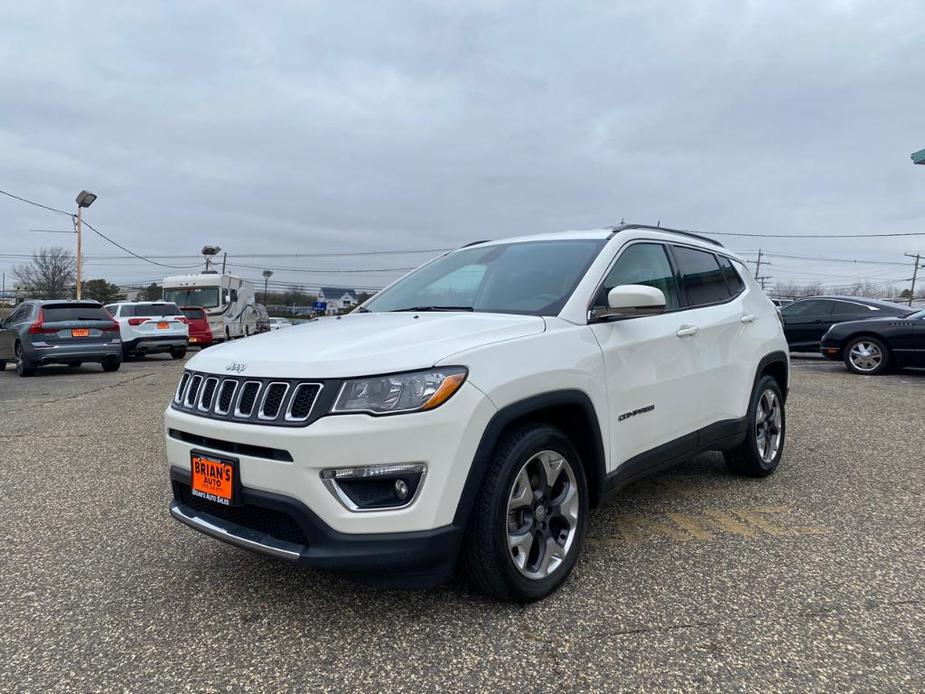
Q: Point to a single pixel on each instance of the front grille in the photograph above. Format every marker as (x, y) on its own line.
(278, 402)
(276, 524)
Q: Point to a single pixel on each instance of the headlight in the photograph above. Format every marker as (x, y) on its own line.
(404, 392)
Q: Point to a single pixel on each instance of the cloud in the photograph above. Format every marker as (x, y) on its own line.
(367, 126)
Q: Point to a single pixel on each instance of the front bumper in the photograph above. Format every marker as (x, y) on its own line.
(283, 528)
(281, 467)
(39, 354)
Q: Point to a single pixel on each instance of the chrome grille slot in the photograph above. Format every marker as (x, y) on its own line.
(226, 396)
(208, 392)
(184, 380)
(302, 401)
(193, 390)
(247, 399)
(273, 398)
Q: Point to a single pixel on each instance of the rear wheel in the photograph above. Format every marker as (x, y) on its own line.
(178, 352)
(2, 365)
(112, 364)
(759, 454)
(23, 367)
(867, 356)
(528, 525)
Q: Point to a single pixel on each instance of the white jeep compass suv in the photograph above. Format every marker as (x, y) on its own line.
(475, 411)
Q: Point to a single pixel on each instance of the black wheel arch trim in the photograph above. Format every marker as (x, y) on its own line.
(522, 409)
(766, 361)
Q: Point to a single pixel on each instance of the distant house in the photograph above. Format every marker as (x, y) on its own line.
(338, 299)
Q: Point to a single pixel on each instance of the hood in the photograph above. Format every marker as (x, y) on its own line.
(360, 344)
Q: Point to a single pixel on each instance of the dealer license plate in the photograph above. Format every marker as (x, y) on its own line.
(163, 326)
(80, 332)
(213, 477)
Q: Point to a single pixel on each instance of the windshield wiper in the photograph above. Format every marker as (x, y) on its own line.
(433, 308)
(362, 309)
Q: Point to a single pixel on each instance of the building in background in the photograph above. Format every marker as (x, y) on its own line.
(338, 299)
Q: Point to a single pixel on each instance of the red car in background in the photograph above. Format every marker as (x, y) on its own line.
(200, 334)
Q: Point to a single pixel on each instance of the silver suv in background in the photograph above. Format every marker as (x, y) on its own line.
(150, 327)
(68, 332)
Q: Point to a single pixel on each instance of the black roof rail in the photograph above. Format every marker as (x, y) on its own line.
(474, 243)
(683, 232)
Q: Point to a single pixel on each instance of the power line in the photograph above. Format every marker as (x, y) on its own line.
(132, 253)
(36, 204)
(808, 236)
(833, 260)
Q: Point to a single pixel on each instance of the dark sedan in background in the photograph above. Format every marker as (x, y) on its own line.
(871, 347)
(807, 320)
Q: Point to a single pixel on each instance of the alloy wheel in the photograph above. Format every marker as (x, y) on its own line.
(769, 429)
(865, 356)
(20, 360)
(542, 514)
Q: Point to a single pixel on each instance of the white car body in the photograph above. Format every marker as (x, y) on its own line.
(277, 323)
(163, 328)
(229, 301)
(653, 387)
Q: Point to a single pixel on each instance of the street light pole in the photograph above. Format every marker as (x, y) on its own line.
(267, 274)
(79, 254)
(84, 199)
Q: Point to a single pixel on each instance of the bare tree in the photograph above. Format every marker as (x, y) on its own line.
(50, 275)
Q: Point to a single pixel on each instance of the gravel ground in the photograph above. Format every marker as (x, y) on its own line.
(813, 579)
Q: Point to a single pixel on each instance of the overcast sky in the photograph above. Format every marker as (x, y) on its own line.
(325, 127)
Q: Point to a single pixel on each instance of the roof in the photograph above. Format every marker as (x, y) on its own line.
(337, 292)
(601, 234)
(859, 300)
(43, 302)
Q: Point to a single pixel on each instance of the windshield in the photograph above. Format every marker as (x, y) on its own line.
(532, 277)
(207, 297)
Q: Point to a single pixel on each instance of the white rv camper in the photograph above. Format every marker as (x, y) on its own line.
(228, 301)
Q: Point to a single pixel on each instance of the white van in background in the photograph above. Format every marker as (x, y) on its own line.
(228, 301)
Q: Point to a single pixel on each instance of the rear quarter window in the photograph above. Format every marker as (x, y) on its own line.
(194, 313)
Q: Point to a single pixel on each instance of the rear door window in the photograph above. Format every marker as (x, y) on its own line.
(848, 310)
(701, 276)
(811, 308)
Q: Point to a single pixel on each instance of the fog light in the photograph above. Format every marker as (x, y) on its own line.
(375, 487)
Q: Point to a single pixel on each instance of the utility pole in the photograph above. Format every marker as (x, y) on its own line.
(758, 263)
(915, 274)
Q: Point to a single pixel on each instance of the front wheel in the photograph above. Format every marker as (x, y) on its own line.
(759, 454)
(867, 356)
(178, 352)
(528, 525)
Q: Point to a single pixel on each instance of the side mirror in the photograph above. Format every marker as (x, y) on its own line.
(630, 301)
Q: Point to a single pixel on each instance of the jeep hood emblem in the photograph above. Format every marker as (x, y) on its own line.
(236, 366)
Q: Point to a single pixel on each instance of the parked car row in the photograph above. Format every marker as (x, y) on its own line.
(70, 332)
(870, 336)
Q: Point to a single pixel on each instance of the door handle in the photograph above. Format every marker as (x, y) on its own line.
(750, 318)
(687, 331)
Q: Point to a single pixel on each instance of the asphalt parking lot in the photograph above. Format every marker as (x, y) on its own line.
(813, 579)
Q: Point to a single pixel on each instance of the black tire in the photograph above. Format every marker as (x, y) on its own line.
(753, 457)
(867, 356)
(486, 557)
(125, 353)
(111, 364)
(2, 365)
(178, 352)
(76, 364)
(23, 367)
